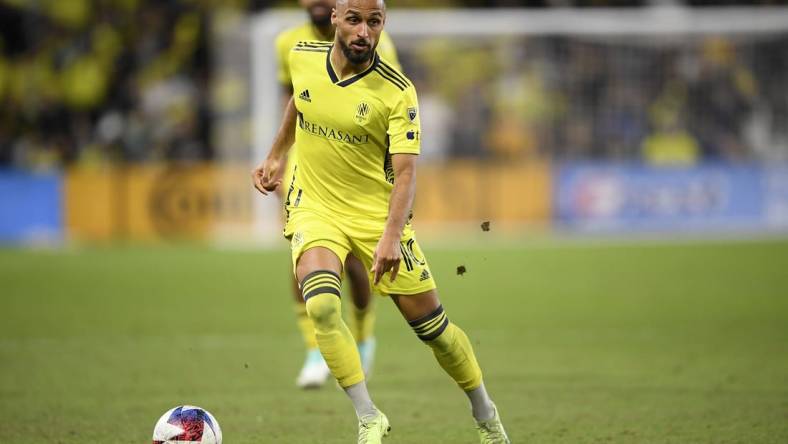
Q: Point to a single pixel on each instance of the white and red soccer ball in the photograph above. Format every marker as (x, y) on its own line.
(187, 424)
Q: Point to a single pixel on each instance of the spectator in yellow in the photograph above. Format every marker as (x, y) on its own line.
(670, 144)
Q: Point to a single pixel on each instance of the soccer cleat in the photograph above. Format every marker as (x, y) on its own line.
(372, 431)
(315, 372)
(491, 431)
(366, 350)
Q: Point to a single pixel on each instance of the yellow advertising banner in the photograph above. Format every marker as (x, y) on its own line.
(469, 191)
(89, 204)
(170, 201)
(150, 202)
(205, 202)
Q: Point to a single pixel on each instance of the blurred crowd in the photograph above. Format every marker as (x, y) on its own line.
(663, 101)
(97, 81)
(92, 81)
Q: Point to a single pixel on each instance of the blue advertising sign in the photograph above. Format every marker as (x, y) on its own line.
(30, 207)
(776, 197)
(626, 197)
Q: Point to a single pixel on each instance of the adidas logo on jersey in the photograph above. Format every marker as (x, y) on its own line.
(305, 96)
(424, 275)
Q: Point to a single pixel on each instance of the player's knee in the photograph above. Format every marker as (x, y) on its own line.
(320, 290)
(323, 309)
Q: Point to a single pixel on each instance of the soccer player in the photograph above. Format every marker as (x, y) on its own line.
(352, 187)
(314, 372)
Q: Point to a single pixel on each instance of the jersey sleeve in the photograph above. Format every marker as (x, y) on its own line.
(283, 45)
(404, 129)
(388, 51)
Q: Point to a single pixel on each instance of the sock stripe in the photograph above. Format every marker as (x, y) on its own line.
(318, 272)
(437, 332)
(313, 277)
(309, 280)
(423, 319)
(322, 290)
(429, 325)
(319, 280)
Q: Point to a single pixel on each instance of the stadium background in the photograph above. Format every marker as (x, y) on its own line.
(134, 120)
(636, 185)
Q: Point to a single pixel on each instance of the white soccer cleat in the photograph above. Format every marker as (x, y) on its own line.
(366, 350)
(315, 372)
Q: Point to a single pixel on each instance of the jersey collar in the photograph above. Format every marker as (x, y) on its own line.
(335, 79)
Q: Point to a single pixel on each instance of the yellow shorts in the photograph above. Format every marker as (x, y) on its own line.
(308, 228)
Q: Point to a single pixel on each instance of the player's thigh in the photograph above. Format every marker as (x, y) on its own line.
(355, 269)
(317, 258)
(316, 243)
(414, 275)
(417, 306)
(360, 287)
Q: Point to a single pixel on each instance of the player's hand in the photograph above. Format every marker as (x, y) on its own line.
(386, 257)
(267, 176)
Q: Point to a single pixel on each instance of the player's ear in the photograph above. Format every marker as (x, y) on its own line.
(334, 16)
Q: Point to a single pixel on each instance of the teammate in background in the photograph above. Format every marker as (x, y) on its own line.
(351, 191)
(314, 372)
(319, 27)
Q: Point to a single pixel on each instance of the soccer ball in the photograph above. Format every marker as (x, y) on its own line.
(187, 424)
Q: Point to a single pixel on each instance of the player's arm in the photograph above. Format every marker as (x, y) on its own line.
(289, 120)
(387, 255)
(266, 176)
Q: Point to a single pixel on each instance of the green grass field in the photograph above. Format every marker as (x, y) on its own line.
(579, 344)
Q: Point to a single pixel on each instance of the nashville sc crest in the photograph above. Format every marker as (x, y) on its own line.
(363, 110)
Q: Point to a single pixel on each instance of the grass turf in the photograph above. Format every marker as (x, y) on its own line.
(579, 344)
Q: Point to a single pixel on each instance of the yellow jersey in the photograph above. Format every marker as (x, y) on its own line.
(306, 32)
(346, 132)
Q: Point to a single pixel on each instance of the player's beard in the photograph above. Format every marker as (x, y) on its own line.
(357, 58)
(320, 14)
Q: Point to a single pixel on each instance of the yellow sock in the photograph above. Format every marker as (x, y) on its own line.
(321, 293)
(451, 348)
(306, 326)
(362, 321)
